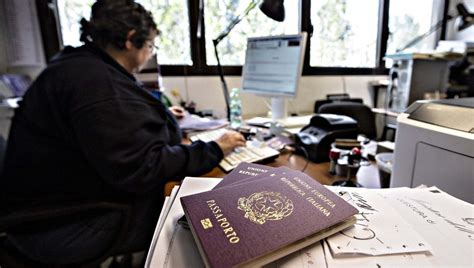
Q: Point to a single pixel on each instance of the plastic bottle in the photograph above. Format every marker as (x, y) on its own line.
(235, 109)
(334, 155)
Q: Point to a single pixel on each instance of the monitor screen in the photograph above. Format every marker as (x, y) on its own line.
(273, 65)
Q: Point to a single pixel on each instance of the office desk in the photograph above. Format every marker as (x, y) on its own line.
(386, 120)
(367, 176)
(427, 214)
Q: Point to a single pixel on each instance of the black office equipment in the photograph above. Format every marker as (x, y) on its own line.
(314, 140)
(335, 98)
(361, 113)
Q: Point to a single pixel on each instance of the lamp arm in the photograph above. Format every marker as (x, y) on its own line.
(417, 39)
(216, 41)
(224, 84)
(235, 21)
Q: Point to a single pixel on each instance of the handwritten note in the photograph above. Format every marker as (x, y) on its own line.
(380, 229)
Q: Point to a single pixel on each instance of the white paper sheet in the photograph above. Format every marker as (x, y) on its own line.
(161, 220)
(380, 229)
(442, 220)
(446, 223)
(175, 245)
(166, 208)
(309, 257)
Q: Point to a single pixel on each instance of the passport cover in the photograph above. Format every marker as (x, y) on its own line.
(244, 171)
(256, 222)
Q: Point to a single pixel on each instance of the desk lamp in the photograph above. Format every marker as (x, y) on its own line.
(467, 20)
(274, 9)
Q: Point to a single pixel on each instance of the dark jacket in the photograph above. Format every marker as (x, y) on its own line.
(86, 129)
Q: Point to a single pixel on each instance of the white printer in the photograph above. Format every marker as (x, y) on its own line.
(434, 145)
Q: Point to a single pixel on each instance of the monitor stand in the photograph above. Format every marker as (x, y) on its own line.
(279, 110)
(280, 115)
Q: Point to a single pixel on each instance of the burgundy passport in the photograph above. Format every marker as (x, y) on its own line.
(258, 221)
(244, 171)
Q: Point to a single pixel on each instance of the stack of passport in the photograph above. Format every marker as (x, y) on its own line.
(258, 214)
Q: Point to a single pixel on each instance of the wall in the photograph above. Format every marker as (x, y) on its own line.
(21, 46)
(3, 37)
(206, 92)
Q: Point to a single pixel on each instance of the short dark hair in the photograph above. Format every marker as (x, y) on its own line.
(111, 21)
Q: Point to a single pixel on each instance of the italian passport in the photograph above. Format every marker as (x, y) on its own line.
(260, 219)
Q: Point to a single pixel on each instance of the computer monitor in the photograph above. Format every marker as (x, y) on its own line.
(272, 68)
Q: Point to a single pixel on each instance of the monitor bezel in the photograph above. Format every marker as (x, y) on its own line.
(302, 36)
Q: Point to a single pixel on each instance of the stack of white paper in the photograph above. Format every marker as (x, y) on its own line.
(396, 227)
(172, 245)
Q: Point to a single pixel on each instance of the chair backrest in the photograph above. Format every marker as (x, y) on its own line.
(358, 111)
(319, 103)
(18, 218)
(3, 148)
(6, 115)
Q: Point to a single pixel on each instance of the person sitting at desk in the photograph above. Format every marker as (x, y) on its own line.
(86, 130)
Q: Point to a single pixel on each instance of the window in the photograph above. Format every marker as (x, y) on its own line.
(70, 13)
(172, 19)
(345, 33)
(219, 14)
(171, 16)
(409, 19)
(348, 36)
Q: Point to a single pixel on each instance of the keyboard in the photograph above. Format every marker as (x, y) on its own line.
(252, 153)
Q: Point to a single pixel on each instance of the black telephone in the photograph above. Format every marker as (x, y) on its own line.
(314, 140)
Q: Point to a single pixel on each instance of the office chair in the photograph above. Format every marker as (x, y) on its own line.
(3, 148)
(366, 124)
(13, 219)
(16, 219)
(319, 103)
(358, 111)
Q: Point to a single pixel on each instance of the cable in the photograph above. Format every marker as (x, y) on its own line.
(294, 108)
(344, 89)
(269, 106)
(292, 150)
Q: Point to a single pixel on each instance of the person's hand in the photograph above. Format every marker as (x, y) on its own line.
(230, 140)
(177, 111)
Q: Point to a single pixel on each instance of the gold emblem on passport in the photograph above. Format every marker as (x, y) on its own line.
(206, 223)
(265, 206)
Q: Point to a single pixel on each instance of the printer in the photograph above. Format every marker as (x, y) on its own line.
(314, 140)
(434, 145)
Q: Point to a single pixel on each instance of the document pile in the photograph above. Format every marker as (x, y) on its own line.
(191, 123)
(395, 227)
(257, 220)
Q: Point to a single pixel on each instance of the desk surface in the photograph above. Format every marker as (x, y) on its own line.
(386, 112)
(367, 175)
